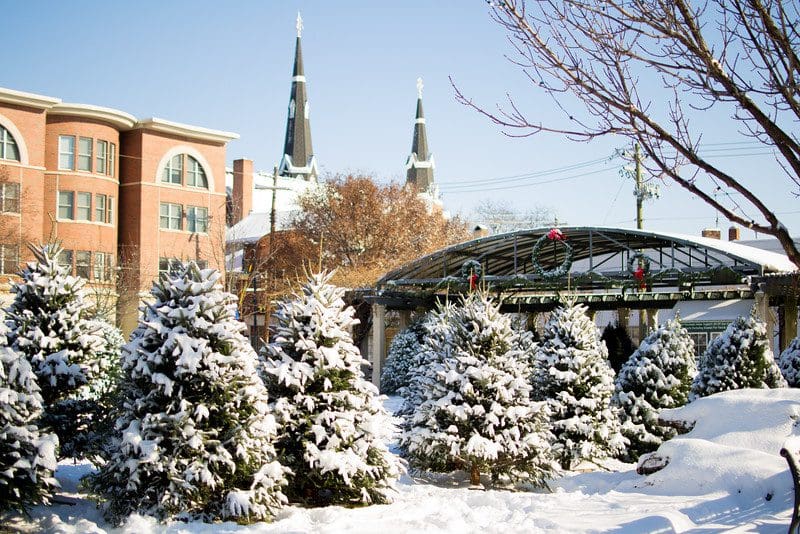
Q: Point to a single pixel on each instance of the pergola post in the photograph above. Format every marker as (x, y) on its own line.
(623, 317)
(788, 324)
(765, 314)
(652, 320)
(378, 346)
(404, 319)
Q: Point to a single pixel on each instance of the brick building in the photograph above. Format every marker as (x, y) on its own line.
(125, 197)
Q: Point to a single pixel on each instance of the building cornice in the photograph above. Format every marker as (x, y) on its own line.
(118, 119)
(185, 130)
(20, 98)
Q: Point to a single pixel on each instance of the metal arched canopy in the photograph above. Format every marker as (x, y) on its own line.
(601, 257)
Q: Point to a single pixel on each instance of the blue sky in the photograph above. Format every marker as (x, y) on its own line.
(227, 66)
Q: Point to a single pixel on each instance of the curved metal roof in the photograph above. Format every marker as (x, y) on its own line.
(605, 252)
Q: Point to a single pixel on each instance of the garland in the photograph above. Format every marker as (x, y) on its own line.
(639, 267)
(553, 235)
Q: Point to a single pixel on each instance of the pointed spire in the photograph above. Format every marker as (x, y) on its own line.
(420, 164)
(298, 159)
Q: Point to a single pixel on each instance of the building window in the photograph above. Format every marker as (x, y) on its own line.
(700, 342)
(169, 265)
(8, 146)
(9, 198)
(110, 211)
(195, 175)
(100, 208)
(174, 170)
(171, 216)
(111, 157)
(83, 264)
(102, 151)
(202, 264)
(66, 152)
(64, 259)
(9, 259)
(66, 205)
(102, 266)
(84, 211)
(197, 219)
(85, 154)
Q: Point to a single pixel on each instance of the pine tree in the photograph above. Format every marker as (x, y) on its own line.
(619, 344)
(27, 456)
(331, 421)
(657, 376)
(739, 358)
(790, 363)
(48, 323)
(401, 356)
(195, 435)
(574, 377)
(476, 411)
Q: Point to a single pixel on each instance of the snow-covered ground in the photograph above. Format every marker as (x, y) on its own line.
(725, 475)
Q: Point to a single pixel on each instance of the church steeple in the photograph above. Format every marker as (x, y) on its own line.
(298, 159)
(420, 164)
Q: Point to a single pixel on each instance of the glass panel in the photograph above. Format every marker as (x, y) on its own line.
(99, 266)
(164, 216)
(10, 201)
(100, 208)
(196, 176)
(9, 259)
(66, 152)
(110, 211)
(66, 202)
(84, 207)
(197, 219)
(83, 261)
(65, 260)
(85, 153)
(111, 157)
(102, 148)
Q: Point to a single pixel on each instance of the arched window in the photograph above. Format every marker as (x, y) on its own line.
(8, 146)
(183, 169)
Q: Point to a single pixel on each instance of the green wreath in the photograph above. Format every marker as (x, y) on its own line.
(633, 263)
(559, 271)
(471, 267)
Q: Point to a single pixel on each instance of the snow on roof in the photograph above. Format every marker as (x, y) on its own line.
(255, 226)
(712, 310)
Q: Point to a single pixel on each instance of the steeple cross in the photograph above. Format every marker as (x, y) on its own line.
(419, 87)
(299, 24)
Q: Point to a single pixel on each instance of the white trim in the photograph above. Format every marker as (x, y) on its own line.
(413, 162)
(420, 121)
(118, 119)
(82, 174)
(299, 79)
(185, 130)
(287, 167)
(174, 187)
(9, 125)
(184, 149)
(21, 98)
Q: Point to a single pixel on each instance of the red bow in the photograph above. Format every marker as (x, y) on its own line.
(555, 235)
(473, 281)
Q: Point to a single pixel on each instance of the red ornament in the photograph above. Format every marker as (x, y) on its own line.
(639, 274)
(473, 281)
(555, 235)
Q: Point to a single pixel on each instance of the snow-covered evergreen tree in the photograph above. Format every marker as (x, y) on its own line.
(195, 437)
(401, 357)
(574, 377)
(27, 456)
(739, 358)
(789, 363)
(658, 375)
(48, 323)
(332, 423)
(475, 411)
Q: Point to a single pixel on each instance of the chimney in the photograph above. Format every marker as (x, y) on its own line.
(242, 196)
(733, 233)
(479, 231)
(713, 233)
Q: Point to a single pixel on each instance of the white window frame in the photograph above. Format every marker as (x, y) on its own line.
(112, 153)
(100, 203)
(9, 197)
(195, 173)
(83, 264)
(81, 207)
(170, 214)
(102, 156)
(63, 205)
(197, 217)
(173, 170)
(66, 151)
(9, 149)
(9, 259)
(84, 157)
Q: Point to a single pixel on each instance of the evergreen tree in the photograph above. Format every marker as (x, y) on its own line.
(574, 377)
(657, 376)
(619, 344)
(475, 410)
(331, 420)
(401, 356)
(195, 435)
(27, 456)
(48, 323)
(790, 363)
(739, 358)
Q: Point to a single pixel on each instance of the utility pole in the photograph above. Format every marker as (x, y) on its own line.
(637, 158)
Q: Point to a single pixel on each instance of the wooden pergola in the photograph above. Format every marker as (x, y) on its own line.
(603, 268)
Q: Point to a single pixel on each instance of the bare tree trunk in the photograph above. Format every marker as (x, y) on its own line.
(475, 475)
